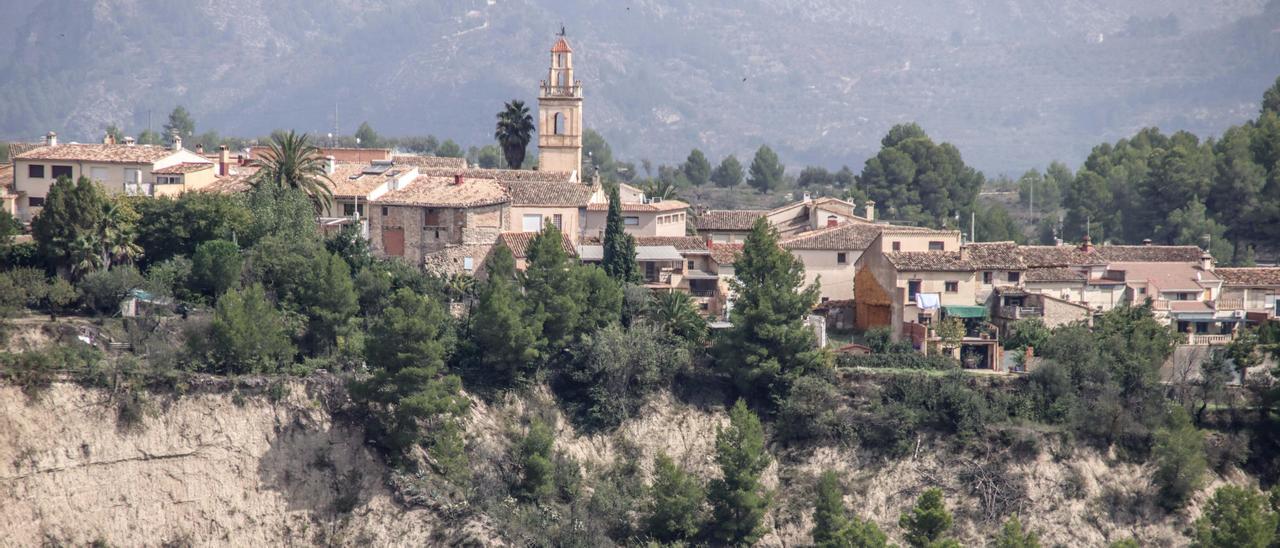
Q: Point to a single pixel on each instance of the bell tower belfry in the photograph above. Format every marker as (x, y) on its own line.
(560, 113)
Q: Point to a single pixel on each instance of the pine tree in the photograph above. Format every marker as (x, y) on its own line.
(65, 230)
(696, 168)
(1235, 517)
(367, 136)
(216, 267)
(502, 335)
(327, 297)
(247, 334)
(928, 521)
(676, 500)
(728, 173)
(738, 499)
(1012, 535)
(619, 247)
(769, 344)
(180, 123)
(553, 294)
(406, 348)
(537, 473)
(766, 171)
(829, 517)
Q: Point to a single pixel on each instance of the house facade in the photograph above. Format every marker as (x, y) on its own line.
(120, 168)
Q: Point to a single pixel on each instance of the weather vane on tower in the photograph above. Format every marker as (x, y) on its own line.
(561, 30)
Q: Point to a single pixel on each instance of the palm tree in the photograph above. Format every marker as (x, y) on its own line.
(659, 188)
(291, 161)
(515, 129)
(675, 312)
(116, 234)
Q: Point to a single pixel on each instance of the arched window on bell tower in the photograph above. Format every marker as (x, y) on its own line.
(557, 122)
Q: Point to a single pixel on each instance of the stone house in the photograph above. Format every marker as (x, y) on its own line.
(431, 214)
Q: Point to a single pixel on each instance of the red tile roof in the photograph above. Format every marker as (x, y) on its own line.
(728, 219)
(548, 194)
(681, 243)
(851, 236)
(427, 191)
(633, 207)
(518, 243)
(561, 46)
(994, 256)
(1263, 276)
(107, 154)
(185, 167)
(916, 261)
(1054, 274)
(725, 254)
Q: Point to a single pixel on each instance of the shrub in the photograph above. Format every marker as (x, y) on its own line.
(1179, 458)
(1023, 333)
(247, 333)
(928, 521)
(104, 290)
(614, 370)
(216, 267)
(907, 360)
(676, 499)
(1236, 517)
(877, 339)
(1012, 535)
(171, 278)
(813, 410)
(537, 473)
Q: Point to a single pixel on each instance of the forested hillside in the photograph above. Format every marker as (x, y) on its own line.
(1012, 86)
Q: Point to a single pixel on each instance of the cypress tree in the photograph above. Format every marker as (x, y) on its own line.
(619, 247)
(738, 499)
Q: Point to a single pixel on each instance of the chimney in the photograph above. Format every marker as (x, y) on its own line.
(1086, 245)
(108, 139)
(177, 142)
(1206, 261)
(200, 148)
(870, 210)
(330, 165)
(224, 158)
(51, 139)
(457, 178)
(128, 141)
(1146, 241)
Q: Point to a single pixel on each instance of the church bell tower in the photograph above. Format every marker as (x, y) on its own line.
(560, 113)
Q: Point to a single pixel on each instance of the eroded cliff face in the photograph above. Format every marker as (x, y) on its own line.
(205, 469)
(222, 466)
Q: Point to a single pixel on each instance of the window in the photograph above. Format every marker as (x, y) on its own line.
(557, 122)
(1142, 291)
(35, 202)
(690, 265)
(631, 221)
(35, 171)
(60, 171)
(897, 246)
(1014, 277)
(842, 258)
(558, 220)
(132, 176)
(98, 174)
(936, 246)
(924, 319)
(468, 264)
(384, 211)
(953, 287)
(825, 299)
(986, 278)
(431, 217)
(351, 210)
(532, 223)
(913, 289)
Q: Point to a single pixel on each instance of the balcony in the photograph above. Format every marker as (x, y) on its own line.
(1230, 304)
(549, 90)
(1205, 339)
(1020, 312)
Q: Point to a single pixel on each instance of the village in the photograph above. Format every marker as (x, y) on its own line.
(445, 216)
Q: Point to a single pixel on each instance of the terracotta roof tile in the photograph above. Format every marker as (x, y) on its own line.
(428, 191)
(681, 243)
(548, 194)
(725, 254)
(107, 154)
(915, 261)
(349, 179)
(728, 219)
(1152, 253)
(1053, 274)
(236, 182)
(633, 207)
(1264, 276)
(847, 236)
(994, 255)
(185, 167)
(430, 162)
(504, 175)
(518, 243)
(561, 46)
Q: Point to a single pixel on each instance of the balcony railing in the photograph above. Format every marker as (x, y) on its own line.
(1205, 339)
(703, 293)
(1020, 312)
(549, 90)
(139, 189)
(1230, 304)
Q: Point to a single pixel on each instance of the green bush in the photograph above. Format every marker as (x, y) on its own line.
(927, 522)
(614, 370)
(813, 411)
(1236, 517)
(676, 499)
(908, 360)
(877, 339)
(216, 267)
(104, 290)
(1179, 458)
(537, 472)
(247, 334)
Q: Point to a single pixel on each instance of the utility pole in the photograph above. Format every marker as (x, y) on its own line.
(972, 230)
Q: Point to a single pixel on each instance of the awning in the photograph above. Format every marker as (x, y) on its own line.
(656, 253)
(700, 275)
(962, 311)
